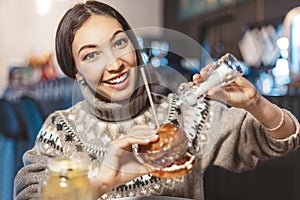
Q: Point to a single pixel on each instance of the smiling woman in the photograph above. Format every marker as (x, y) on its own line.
(96, 46)
(109, 65)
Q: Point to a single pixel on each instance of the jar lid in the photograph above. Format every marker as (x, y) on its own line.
(66, 165)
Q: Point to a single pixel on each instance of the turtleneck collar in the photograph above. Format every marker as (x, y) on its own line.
(114, 111)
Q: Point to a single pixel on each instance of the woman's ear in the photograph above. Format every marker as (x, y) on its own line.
(79, 77)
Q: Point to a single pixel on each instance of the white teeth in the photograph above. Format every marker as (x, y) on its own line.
(118, 80)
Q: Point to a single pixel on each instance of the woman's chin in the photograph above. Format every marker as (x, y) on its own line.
(119, 96)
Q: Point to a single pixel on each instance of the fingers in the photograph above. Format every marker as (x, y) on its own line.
(142, 131)
(197, 78)
(120, 164)
(239, 93)
(120, 154)
(204, 71)
(200, 77)
(141, 134)
(138, 134)
(217, 93)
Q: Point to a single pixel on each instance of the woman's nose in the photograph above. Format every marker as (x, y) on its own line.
(114, 65)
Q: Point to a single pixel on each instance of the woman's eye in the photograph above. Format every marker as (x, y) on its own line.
(90, 56)
(121, 43)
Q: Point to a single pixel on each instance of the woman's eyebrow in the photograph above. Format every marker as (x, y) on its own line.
(93, 46)
(86, 47)
(115, 34)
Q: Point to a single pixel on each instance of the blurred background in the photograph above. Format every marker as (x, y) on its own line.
(262, 34)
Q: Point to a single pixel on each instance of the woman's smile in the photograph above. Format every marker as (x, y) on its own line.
(118, 82)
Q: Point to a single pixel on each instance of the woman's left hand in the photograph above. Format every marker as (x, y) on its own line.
(242, 94)
(239, 93)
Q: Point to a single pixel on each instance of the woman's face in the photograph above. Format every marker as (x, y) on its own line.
(105, 57)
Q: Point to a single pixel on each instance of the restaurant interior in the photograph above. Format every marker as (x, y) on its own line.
(262, 34)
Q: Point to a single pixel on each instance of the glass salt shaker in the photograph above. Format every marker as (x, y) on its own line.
(222, 72)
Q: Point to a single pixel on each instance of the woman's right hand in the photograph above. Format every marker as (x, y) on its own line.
(120, 164)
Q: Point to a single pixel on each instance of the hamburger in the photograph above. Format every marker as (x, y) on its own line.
(168, 156)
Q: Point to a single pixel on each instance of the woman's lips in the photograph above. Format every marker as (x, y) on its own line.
(118, 82)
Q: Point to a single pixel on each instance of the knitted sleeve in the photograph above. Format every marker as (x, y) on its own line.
(242, 141)
(47, 145)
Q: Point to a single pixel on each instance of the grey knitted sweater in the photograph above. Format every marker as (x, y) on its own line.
(227, 137)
